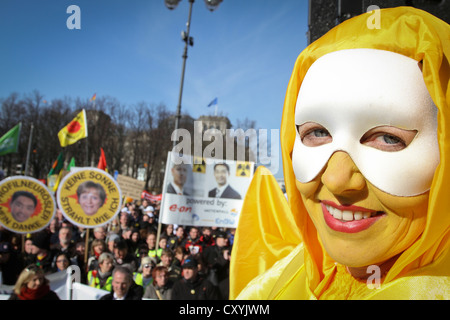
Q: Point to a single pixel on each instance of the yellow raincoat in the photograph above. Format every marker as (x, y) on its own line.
(277, 253)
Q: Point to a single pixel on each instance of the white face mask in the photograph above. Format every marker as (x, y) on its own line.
(350, 92)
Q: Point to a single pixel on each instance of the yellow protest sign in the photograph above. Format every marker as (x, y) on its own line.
(26, 205)
(89, 197)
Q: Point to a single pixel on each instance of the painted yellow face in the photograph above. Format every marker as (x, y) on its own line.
(358, 224)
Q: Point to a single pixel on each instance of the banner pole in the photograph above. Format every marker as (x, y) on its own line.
(86, 248)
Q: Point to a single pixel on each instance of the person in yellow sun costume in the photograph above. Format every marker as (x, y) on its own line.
(365, 146)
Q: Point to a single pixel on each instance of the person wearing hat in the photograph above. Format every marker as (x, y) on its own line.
(41, 251)
(216, 258)
(149, 219)
(191, 286)
(143, 276)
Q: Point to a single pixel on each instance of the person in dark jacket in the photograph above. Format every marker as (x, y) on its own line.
(43, 257)
(192, 286)
(32, 285)
(216, 258)
(123, 286)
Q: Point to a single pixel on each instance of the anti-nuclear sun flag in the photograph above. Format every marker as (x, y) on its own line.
(74, 131)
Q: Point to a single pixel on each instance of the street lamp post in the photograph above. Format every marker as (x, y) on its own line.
(188, 41)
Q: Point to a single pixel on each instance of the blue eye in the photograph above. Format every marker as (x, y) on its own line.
(320, 133)
(313, 134)
(390, 139)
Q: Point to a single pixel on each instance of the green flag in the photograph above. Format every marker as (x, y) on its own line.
(71, 164)
(9, 143)
(57, 165)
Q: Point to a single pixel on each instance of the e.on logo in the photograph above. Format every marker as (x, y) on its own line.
(176, 208)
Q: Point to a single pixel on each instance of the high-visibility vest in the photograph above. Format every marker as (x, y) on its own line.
(94, 281)
(155, 253)
(138, 279)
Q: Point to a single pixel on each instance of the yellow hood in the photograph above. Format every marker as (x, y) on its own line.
(270, 229)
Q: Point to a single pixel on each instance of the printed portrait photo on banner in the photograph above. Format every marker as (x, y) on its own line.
(26, 205)
(91, 196)
(223, 188)
(23, 205)
(180, 184)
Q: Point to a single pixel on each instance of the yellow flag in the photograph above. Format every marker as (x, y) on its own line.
(74, 131)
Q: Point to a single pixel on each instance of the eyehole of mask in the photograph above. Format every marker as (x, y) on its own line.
(384, 138)
(313, 134)
(388, 138)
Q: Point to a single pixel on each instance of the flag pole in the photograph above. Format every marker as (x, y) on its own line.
(86, 247)
(87, 156)
(29, 149)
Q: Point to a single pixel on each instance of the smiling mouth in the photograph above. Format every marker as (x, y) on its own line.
(349, 219)
(349, 215)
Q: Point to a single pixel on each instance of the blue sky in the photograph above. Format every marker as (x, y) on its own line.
(243, 53)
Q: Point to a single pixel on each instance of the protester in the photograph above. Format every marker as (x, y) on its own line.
(97, 272)
(143, 277)
(192, 286)
(180, 253)
(41, 251)
(177, 239)
(62, 262)
(151, 242)
(98, 246)
(174, 271)
(193, 243)
(123, 286)
(100, 233)
(161, 287)
(111, 241)
(364, 140)
(122, 256)
(101, 276)
(215, 258)
(32, 285)
(134, 241)
(65, 242)
(10, 264)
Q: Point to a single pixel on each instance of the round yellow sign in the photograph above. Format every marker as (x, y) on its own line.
(89, 197)
(26, 205)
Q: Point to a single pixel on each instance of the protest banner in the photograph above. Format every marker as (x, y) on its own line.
(151, 197)
(130, 187)
(207, 193)
(89, 197)
(26, 205)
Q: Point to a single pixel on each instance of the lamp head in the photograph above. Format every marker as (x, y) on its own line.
(171, 4)
(212, 4)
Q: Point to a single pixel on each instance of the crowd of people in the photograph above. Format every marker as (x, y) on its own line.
(122, 257)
